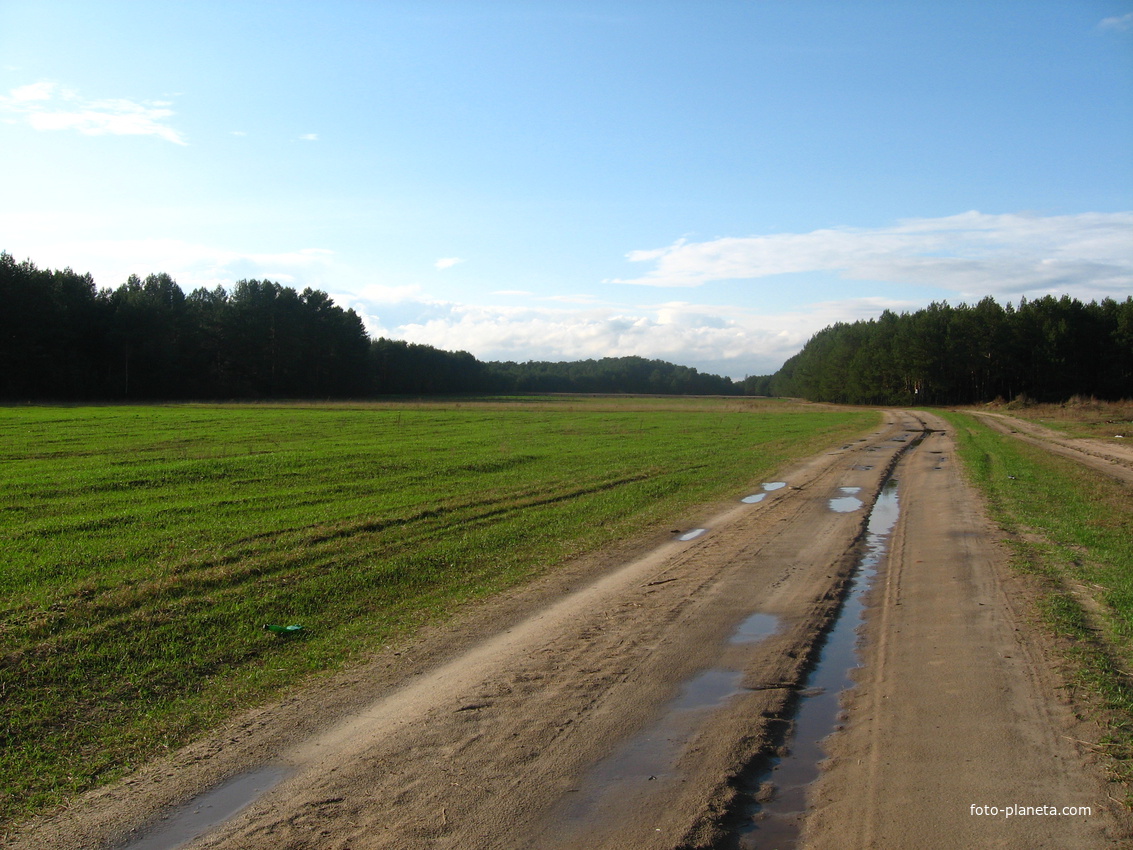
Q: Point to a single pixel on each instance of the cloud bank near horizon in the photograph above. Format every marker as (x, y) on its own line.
(733, 341)
(973, 254)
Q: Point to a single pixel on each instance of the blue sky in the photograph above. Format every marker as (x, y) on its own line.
(704, 182)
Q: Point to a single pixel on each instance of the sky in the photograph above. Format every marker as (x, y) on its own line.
(707, 182)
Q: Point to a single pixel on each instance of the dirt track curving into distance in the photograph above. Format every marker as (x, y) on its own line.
(1102, 455)
(614, 703)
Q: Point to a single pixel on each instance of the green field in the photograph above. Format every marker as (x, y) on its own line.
(145, 547)
(1073, 528)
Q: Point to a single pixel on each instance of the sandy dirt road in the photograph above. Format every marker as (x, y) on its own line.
(614, 703)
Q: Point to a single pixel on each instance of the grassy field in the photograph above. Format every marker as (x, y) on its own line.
(145, 547)
(1074, 528)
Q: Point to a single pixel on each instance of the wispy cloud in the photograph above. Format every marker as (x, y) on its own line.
(191, 264)
(576, 298)
(970, 253)
(48, 106)
(1121, 23)
(310, 137)
(447, 262)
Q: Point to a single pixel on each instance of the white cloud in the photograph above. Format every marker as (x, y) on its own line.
(1120, 23)
(48, 106)
(447, 262)
(577, 298)
(310, 137)
(33, 92)
(1089, 255)
(191, 264)
(729, 340)
(386, 295)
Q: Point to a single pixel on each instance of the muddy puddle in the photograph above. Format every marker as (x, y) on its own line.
(207, 811)
(783, 788)
(769, 487)
(755, 628)
(848, 501)
(652, 754)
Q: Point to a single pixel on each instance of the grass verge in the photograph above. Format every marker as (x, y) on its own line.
(145, 547)
(1073, 528)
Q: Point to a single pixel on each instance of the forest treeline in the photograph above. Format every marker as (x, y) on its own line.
(1048, 349)
(64, 339)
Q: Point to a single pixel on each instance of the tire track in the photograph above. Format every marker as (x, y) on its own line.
(956, 705)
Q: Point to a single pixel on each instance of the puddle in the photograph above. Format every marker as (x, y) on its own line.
(652, 754)
(692, 535)
(768, 487)
(649, 756)
(755, 628)
(707, 689)
(207, 811)
(777, 823)
(848, 501)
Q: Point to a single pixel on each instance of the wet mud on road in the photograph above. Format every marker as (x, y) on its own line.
(622, 701)
(777, 792)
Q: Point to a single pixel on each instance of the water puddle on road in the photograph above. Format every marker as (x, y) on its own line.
(755, 628)
(776, 823)
(769, 487)
(848, 501)
(196, 817)
(652, 754)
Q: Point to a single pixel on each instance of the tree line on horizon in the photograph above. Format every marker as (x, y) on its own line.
(1048, 349)
(64, 339)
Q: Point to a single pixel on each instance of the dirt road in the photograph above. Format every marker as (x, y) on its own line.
(1104, 456)
(957, 705)
(615, 703)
